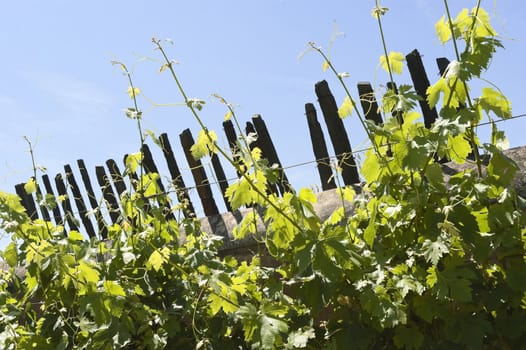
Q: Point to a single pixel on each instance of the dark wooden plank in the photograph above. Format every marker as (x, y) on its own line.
(27, 201)
(177, 177)
(108, 194)
(199, 175)
(251, 130)
(398, 114)
(57, 215)
(319, 147)
(221, 179)
(79, 201)
(150, 167)
(369, 103)
(101, 224)
(116, 176)
(66, 204)
(42, 205)
(421, 83)
(337, 133)
(231, 136)
(267, 146)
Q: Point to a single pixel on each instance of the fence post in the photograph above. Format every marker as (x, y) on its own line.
(27, 201)
(66, 204)
(199, 174)
(177, 178)
(57, 216)
(79, 201)
(108, 194)
(319, 147)
(368, 102)
(421, 83)
(337, 133)
(101, 224)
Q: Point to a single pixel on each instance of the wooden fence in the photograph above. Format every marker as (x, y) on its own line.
(94, 213)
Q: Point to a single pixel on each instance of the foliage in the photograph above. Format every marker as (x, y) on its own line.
(425, 260)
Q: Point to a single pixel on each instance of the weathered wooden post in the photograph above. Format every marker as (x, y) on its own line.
(319, 147)
(337, 133)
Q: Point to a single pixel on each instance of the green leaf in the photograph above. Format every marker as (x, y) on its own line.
(30, 186)
(113, 288)
(247, 226)
(433, 251)
(370, 232)
(407, 337)
(459, 148)
(10, 254)
(87, 273)
(271, 328)
(75, 236)
(346, 108)
(205, 144)
(494, 101)
(442, 30)
(433, 92)
(371, 168)
(300, 337)
(156, 260)
(133, 161)
(217, 302)
(501, 167)
(395, 59)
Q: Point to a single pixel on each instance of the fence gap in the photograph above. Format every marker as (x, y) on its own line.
(101, 224)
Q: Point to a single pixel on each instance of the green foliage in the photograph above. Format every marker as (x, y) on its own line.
(423, 260)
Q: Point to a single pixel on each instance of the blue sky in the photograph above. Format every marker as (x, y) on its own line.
(59, 88)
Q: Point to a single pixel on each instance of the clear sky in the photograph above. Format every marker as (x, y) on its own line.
(60, 90)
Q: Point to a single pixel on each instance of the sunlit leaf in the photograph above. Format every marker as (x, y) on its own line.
(30, 186)
(133, 92)
(395, 65)
(205, 144)
(346, 108)
(442, 30)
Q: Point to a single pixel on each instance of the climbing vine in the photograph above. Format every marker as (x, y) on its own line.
(424, 259)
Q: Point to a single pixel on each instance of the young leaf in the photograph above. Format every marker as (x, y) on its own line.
(346, 108)
(396, 60)
(113, 288)
(133, 92)
(204, 145)
(442, 30)
(30, 186)
(156, 260)
(10, 254)
(370, 232)
(494, 101)
(459, 148)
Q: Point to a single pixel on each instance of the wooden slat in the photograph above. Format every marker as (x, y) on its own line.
(337, 133)
(108, 194)
(79, 201)
(221, 179)
(101, 224)
(250, 129)
(319, 146)
(42, 206)
(421, 83)
(231, 136)
(150, 167)
(177, 177)
(199, 174)
(267, 146)
(116, 176)
(369, 103)
(57, 215)
(66, 204)
(27, 201)
(396, 113)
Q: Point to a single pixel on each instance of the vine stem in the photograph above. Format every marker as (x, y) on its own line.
(219, 149)
(378, 16)
(370, 136)
(471, 134)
